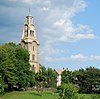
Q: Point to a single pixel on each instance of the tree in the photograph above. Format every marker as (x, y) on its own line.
(51, 78)
(1, 86)
(41, 77)
(46, 78)
(87, 78)
(7, 66)
(67, 91)
(67, 76)
(14, 66)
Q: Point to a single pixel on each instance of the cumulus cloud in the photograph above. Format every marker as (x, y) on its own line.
(59, 26)
(54, 24)
(77, 58)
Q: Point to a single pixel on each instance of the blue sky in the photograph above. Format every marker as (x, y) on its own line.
(68, 30)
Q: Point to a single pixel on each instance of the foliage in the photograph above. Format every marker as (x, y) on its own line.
(46, 78)
(14, 66)
(67, 76)
(87, 78)
(7, 66)
(40, 77)
(51, 78)
(1, 86)
(67, 91)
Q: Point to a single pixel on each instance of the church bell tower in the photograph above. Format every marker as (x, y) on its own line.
(29, 41)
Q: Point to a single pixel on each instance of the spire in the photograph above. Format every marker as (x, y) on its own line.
(29, 10)
(29, 13)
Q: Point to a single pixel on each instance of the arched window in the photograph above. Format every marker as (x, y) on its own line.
(28, 20)
(32, 33)
(26, 30)
(33, 67)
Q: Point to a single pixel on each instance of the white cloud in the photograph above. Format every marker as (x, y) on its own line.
(45, 9)
(59, 23)
(86, 36)
(75, 58)
(95, 57)
(59, 27)
(54, 18)
(78, 57)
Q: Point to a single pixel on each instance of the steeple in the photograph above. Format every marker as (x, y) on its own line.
(29, 29)
(29, 17)
(29, 41)
(29, 11)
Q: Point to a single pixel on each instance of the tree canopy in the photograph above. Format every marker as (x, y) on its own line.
(87, 78)
(14, 66)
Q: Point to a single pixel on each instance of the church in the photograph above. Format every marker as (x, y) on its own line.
(29, 41)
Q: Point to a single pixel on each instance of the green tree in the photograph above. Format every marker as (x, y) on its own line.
(87, 78)
(1, 86)
(67, 76)
(46, 78)
(41, 77)
(15, 67)
(51, 78)
(67, 91)
(7, 66)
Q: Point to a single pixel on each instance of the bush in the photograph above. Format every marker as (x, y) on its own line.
(68, 91)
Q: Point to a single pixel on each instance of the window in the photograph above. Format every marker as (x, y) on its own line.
(33, 67)
(32, 33)
(33, 48)
(26, 30)
(33, 57)
(28, 20)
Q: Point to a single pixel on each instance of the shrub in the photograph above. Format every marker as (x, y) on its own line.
(68, 91)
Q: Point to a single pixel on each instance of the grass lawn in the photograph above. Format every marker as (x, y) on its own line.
(44, 95)
(89, 96)
(30, 95)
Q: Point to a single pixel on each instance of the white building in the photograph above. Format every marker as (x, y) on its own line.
(59, 72)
